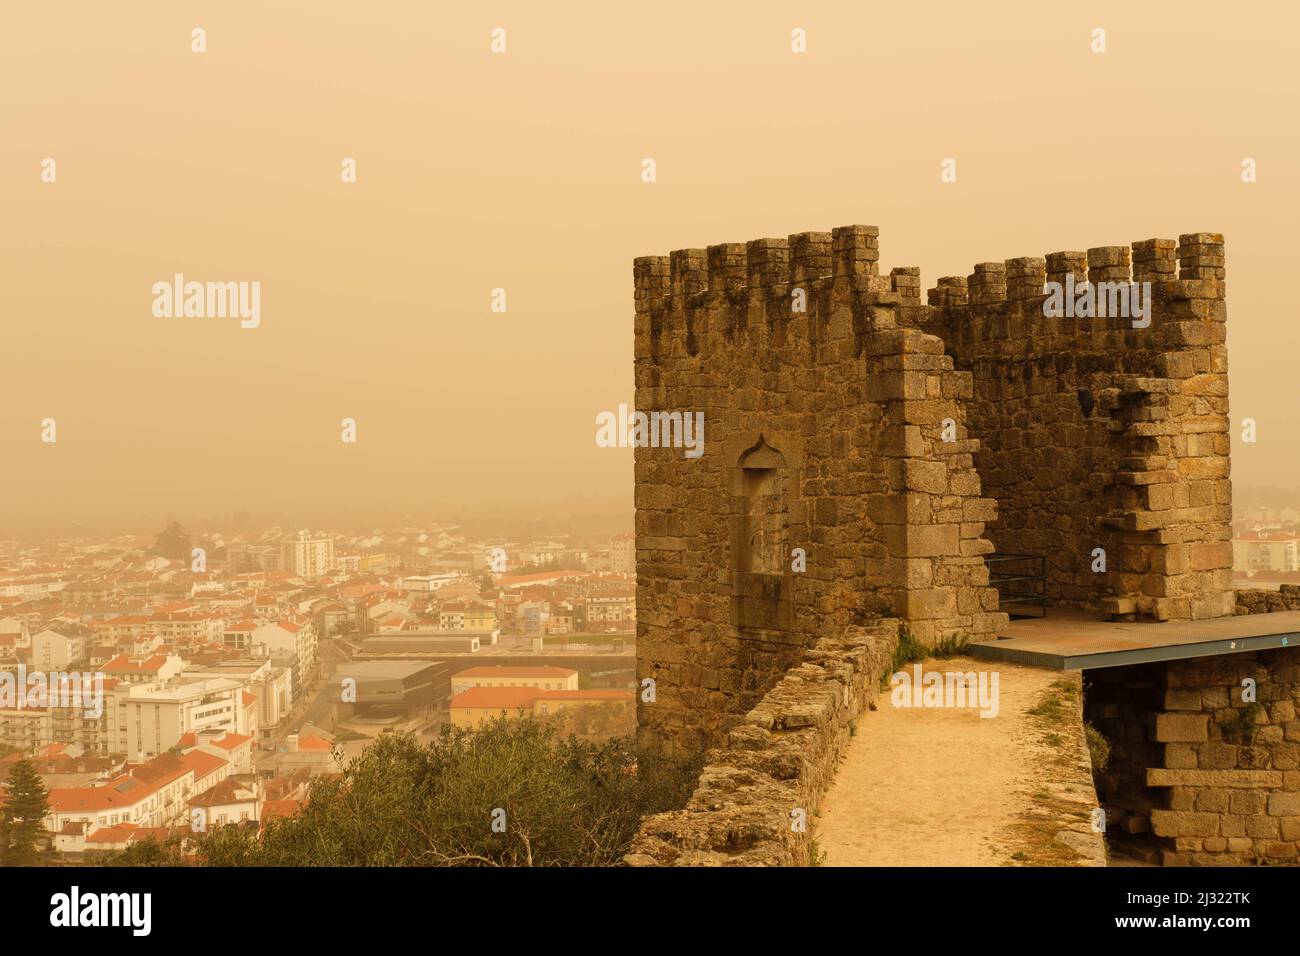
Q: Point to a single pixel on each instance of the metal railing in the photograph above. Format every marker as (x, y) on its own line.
(1021, 580)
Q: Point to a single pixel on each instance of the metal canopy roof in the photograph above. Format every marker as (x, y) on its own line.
(1071, 640)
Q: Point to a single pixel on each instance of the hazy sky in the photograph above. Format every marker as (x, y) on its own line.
(522, 170)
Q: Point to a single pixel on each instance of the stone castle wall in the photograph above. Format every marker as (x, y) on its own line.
(1097, 434)
(822, 433)
(1213, 774)
(877, 437)
(760, 789)
(1263, 601)
(1120, 703)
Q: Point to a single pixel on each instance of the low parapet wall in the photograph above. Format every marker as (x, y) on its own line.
(757, 794)
(1263, 601)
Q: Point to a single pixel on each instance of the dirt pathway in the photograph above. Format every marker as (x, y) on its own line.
(942, 786)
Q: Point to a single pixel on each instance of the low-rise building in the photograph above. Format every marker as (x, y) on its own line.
(430, 641)
(477, 705)
(385, 690)
(236, 799)
(538, 678)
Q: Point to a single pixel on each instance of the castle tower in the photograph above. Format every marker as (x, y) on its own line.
(837, 481)
(862, 452)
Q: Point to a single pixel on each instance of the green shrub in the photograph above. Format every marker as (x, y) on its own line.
(950, 646)
(555, 802)
(908, 651)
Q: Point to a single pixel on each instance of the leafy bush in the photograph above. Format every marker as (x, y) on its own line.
(566, 802)
(150, 852)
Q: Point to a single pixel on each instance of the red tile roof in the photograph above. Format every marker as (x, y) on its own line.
(202, 763)
(125, 791)
(280, 808)
(493, 698)
(122, 664)
(227, 791)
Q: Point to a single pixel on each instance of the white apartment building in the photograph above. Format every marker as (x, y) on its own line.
(157, 715)
(153, 794)
(30, 587)
(622, 553)
(290, 642)
(271, 686)
(305, 556)
(190, 627)
(52, 651)
(151, 803)
(252, 557)
(288, 637)
(26, 730)
(1266, 551)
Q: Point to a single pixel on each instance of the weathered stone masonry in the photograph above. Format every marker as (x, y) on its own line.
(1097, 434)
(895, 442)
(825, 431)
(1213, 774)
(822, 432)
(776, 762)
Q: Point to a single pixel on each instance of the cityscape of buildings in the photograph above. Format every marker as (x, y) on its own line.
(162, 685)
(1265, 544)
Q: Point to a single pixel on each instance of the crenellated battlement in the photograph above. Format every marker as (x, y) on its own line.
(762, 293)
(866, 448)
(1195, 258)
(772, 266)
(798, 293)
(767, 265)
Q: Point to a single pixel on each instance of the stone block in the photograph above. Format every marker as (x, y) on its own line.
(1175, 823)
(1178, 728)
(1182, 698)
(1284, 804)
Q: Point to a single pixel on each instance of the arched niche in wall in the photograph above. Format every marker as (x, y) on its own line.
(764, 481)
(761, 597)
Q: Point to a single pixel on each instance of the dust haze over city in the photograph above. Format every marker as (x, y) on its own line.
(581, 436)
(376, 300)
